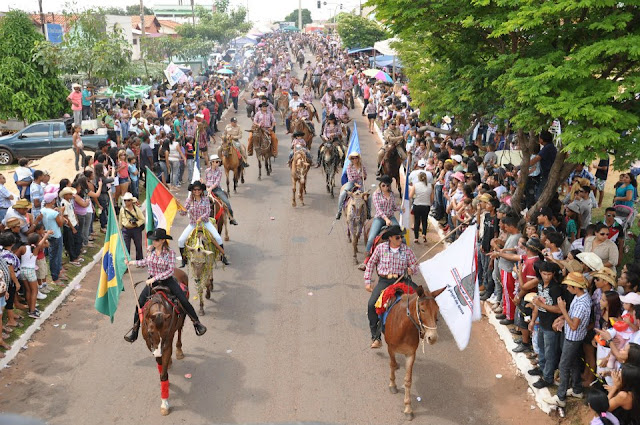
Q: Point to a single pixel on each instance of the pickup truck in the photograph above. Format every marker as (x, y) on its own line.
(41, 139)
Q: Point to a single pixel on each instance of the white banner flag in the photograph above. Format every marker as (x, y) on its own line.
(174, 74)
(456, 269)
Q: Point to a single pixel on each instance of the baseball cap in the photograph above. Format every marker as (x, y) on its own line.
(631, 298)
(422, 163)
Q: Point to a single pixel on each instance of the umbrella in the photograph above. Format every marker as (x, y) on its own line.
(378, 75)
(261, 44)
(225, 71)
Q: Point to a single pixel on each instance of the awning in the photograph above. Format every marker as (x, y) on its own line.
(385, 60)
(129, 92)
(358, 50)
(385, 48)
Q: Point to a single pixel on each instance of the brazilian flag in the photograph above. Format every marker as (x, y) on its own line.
(113, 267)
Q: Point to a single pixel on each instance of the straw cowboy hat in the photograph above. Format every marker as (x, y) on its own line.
(591, 260)
(576, 279)
(446, 119)
(135, 114)
(354, 155)
(67, 191)
(607, 275)
(128, 196)
(12, 222)
(22, 203)
(76, 85)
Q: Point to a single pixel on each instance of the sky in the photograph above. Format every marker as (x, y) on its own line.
(259, 10)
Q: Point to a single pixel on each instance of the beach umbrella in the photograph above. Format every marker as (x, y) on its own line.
(378, 75)
(225, 71)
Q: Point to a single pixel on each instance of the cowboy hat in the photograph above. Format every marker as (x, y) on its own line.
(535, 245)
(354, 154)
(446, 119)
(591, 260)
(394, 230)
(576, 279)
(457, 158)
(485, 197)
(128, 196)
(349, 71)
(298, 134)
(458, 176)
(74, 85)
(574, 208)
(158, 234)
(12, 222)
(67, 191)
(385, 179)
(331, 116)
(135, 114)
(607, 275)
(22, 203)
(214, 157)
(196, 185)
(572, 265)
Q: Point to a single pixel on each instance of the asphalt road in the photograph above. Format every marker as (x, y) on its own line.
(287, 337)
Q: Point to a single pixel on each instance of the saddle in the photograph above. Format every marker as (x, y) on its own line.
(390, 297)
(222, 205)
(168, 296)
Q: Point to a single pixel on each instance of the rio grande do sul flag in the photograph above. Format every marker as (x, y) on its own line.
(113, 267)
(160, 204)
(456, 269)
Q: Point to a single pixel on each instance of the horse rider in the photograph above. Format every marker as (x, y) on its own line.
(298, 142)
(330, 133)
(340, 111)
(391, 259)
(327, 103)
(265, 119)
(338, 93)
(307, 95)
(392, 135)
(198, 208)
(384, 206)
(284, 83)
(356, 175)
(293, 107)
(213, 177)
(304, 114)
(160, 262)
(235, 132)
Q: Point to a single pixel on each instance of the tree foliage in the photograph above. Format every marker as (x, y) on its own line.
(293, 17)
(358, 31)
(131, 10)
(221, 26)
(528, 62)
(30, 88)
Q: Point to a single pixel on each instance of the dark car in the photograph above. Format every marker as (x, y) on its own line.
(41, 139)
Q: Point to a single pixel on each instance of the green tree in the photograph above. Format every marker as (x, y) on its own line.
(220, 26)
(114, 11)
(358, 31)
(30, 87)
(528, 63)
(293, 17)
(134, 10)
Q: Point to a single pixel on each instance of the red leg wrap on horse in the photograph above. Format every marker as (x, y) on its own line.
(164, 389)
(160, 368)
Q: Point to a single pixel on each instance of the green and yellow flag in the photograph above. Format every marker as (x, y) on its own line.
(113, 267)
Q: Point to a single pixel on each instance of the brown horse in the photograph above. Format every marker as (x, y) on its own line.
(261, 141)
(391, 163)
(356, 213)
(299, 169)
(161, 320)
(220, 214)
(231, 162)
(348, 99)
(411, 320)
(282, 104)
(298, 124)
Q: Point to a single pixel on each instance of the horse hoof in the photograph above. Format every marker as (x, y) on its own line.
(226, 238)
(164, 411)
(259, 178)
(393, 390)
(409, 416)
(179, 354)
(201, 312)
(207, 295)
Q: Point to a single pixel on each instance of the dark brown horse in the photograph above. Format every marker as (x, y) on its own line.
(298, 124)
(411, 320)
(391, 163)
(261, 141)
(161, 319)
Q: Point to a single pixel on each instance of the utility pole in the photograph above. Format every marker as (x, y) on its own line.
(42, 18)
(300, 15)
(142, 29)
(193, 13)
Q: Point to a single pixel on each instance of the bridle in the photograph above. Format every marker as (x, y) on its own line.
(421, 327)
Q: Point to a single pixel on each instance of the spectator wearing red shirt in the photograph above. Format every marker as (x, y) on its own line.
(234, 91)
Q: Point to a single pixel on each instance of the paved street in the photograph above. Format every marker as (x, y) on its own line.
(287, 336)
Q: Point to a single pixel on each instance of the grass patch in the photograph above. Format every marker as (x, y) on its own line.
(72, 272)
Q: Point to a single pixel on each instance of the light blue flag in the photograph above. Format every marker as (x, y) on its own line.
(354, 146)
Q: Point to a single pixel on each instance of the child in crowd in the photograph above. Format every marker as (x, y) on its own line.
(133, 175)
(24, 175)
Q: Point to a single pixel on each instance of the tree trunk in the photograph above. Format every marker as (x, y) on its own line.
(559, 172)
(526, 144)
(438, 130)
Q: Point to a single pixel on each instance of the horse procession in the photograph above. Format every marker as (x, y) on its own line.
(405, 312)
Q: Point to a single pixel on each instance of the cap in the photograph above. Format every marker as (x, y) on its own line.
(234, 119)
(457, 158)
(631, 298)
(422, 163)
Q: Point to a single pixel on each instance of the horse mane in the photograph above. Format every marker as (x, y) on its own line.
(420, 291)
(158, 319)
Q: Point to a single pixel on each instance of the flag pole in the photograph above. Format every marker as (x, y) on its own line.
(115, 217)
(444, 238)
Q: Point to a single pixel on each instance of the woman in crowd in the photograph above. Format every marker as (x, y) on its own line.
(601, 245)
(626, 190)
(78, 146)
(422, 194)
(384, 206)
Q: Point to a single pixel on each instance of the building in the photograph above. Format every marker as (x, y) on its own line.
(151, 24)
(181, 13)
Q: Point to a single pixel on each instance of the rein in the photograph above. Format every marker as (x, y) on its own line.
(421, 327)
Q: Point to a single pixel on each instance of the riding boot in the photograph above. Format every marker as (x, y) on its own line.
(133, 333)
(224, 257)
(184, 258)
(199, 327)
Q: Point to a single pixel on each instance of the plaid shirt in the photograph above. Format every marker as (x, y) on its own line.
(331, 131)
(264, 120)
(389, 262)
(338, 94)
(212, 177)
(584, 174)
(341, 113)
(160, 265)
(197, 209)
(355, 174)
(385, 207)
(580, 308)
(190, 128)
(298, 141)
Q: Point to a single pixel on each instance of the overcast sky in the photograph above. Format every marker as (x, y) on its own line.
(259, 10)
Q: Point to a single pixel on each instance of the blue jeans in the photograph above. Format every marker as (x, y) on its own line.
(343, 195)
(223, 197)
(549, 344)
(134, 187)
(55, 257)
(190, 165)
(175, 172)
(376, 226)
(570, 368)
(124, 128)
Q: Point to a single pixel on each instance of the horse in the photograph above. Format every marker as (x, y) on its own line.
(262, 145)
(330, 159)
(250, 110)
(356, 213)
(315, 85)
(220, 215)
(161, 319)
(299, 169)
(391, 163)
(348, 99)
(202, 254)
(282, 104)
(231, 162)
(411, 320)
(300, 58)
(298, 124)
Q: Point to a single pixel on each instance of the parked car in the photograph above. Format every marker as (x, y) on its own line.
(41, 139)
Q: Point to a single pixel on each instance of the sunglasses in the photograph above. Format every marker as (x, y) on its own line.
(604, 234)
(384, 185)
(611, 215)
(199, 190)
(128, 200)
(396, 237)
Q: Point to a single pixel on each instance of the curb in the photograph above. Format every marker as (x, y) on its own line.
(520, 360)
(51, 308)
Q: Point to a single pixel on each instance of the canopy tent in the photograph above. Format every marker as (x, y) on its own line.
(290, 29)
(358, 50)
(247, 39)
(133, 91)
(384, 60)
(384, 47)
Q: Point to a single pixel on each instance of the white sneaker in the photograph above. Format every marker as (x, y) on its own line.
(41, 296)
(570, 393)
(492, 299)
(555, 401)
